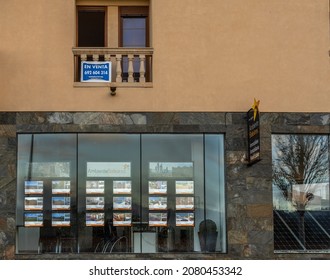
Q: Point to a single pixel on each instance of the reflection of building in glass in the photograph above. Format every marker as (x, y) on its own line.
(312, 196)
(171, 169)
(50, 169)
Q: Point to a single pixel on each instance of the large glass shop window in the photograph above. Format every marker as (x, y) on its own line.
(301, 201)
(120, 193)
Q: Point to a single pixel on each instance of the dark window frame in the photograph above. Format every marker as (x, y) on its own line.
(92, 9)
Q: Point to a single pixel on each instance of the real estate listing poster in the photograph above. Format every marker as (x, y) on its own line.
(184, 187)
(95, 203)
(61, 187)
(61, 219)
(33, 219)
(157, 187)
(33, 187)
(122, 219)
(157, 203)
(122, 187)
(157, 219)
(184, 203)
(61, 203)
(185, 219)
(94, 187)
(122, 203)
(33, 203)
(94, 219)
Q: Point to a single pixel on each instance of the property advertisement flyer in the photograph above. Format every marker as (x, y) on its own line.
(33, 219)
(184, 187)
(157, 187)
(157, 203)
(94, 219)
(94, 187)
(61, 187)
(122, 187)
(95, 203)
(184, 203)
(33, 187)
(61, 219)
(122, 219)
(157, 219)
(185, 219)
(122, 203)
(33, 203)
(61, 203)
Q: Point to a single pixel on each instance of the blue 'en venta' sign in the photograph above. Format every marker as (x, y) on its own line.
(96, 71)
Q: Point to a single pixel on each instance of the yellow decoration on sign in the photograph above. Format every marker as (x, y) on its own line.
(255, 108)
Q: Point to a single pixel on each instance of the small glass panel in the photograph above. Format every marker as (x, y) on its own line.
(214, 225)
(134, 32)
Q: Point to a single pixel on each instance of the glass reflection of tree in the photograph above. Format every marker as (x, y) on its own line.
(300, 163)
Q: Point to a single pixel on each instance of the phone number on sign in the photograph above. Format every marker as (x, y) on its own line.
(220, 270)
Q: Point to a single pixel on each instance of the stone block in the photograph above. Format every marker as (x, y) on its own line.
(260, 237)
(259, 210)
(237, 237)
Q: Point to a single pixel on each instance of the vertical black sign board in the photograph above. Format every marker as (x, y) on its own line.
(253, 136)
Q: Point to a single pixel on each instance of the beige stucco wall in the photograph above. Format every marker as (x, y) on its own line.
(209, 55)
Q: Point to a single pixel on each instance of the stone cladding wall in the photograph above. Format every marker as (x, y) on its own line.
(248, 189)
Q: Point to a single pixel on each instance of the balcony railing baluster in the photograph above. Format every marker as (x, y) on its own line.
(142, 68)
(118, 68)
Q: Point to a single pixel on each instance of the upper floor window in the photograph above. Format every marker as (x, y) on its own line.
(96, 29)
(117, 35)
